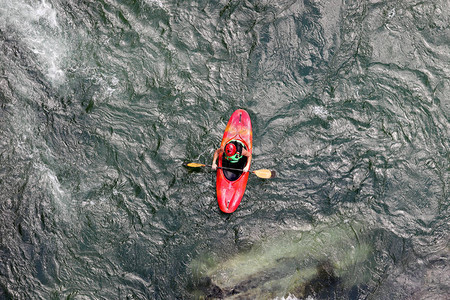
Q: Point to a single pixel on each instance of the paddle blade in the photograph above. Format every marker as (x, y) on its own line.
(264, 173)
(195, 165)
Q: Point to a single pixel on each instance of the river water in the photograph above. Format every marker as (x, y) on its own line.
(103, 101)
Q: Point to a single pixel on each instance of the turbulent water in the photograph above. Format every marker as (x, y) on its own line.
(103, 101)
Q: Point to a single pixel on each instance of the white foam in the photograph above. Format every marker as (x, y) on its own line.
(46, 11)
(52, 183)
(320, 111)
(37, 26)
(291, 297)
(155, 2)
(391, 13)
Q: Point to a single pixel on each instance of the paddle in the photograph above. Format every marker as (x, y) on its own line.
(261, 173)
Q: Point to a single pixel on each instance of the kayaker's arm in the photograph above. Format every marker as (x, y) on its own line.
(249, 159)
(216, 155)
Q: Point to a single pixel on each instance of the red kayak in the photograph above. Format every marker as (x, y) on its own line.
(230, 184)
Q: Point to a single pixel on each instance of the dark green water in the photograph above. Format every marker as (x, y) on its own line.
(103, 101)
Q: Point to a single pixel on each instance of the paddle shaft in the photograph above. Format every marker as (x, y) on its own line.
(231, 169)
(196, 165)
(261, 173)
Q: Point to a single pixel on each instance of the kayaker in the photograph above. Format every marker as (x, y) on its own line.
(233, 151)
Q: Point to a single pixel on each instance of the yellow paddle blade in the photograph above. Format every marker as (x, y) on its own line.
(195, 165)
(264, 173)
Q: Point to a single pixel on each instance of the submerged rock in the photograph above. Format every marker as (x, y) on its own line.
(323, 285)
(327, 263)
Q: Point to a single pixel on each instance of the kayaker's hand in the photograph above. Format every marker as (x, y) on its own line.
(214, 166)
(246, 169)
